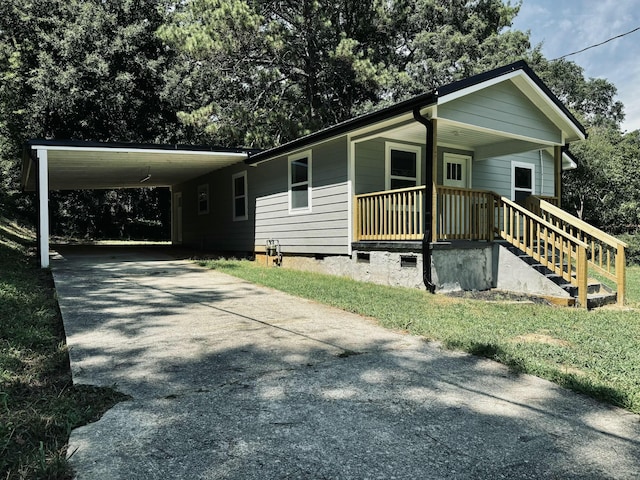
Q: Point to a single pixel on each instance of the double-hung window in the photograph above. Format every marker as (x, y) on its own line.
(240, 196)
(300, 182)
(522, 181)
(402, 165)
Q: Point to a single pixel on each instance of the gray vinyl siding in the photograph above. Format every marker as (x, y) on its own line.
(369, 174)
(502, 108)
(370, 164)
(324, 230)
(217, 231)
(495, 173)
(549, 173)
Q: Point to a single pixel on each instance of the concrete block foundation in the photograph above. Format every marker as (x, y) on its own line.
(455, 266)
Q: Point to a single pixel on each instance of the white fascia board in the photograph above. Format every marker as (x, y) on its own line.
(478, 86)
(570, 164)
(139, 150)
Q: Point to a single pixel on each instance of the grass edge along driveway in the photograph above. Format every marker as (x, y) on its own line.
(39, 405)
(593, 352)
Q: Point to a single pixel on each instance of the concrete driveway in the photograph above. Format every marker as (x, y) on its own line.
(233, 381)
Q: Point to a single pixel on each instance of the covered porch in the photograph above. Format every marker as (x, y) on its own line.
(571, 249)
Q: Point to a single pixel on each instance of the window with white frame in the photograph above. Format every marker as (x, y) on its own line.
(522, 181)
(240, 196)
(300, 181)
(402, 165)
(203, 199)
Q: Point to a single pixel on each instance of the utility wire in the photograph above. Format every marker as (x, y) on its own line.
(597, 44)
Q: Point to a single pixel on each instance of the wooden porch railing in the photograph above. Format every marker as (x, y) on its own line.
(464, 214)
(389, 215)
(605, 253)
(562, 243)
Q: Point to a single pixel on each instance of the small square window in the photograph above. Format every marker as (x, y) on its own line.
(454, 171)
(522, 177)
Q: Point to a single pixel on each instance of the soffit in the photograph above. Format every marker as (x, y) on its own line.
(72, 167)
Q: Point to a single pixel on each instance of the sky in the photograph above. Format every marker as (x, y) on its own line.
(565, 26)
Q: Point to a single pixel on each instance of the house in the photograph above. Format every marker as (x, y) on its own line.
(457, 188)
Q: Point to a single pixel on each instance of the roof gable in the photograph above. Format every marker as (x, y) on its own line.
(519, 73)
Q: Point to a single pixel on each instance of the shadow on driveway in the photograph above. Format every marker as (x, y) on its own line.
(230, 380)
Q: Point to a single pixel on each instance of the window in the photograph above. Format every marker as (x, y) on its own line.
(522, 180)
(402, 165)
(300, 181)
(240, 197)
(454, 172)
(203, 199)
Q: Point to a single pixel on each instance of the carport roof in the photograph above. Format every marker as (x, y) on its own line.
(97, 165)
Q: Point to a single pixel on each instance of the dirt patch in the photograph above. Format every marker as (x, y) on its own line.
(497, 296)
(541, 338)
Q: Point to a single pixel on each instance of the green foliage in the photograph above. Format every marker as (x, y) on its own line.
(594, 352)
(603, 189)
(633, 249)
(262, 72)
(439, 42)
(39, 405)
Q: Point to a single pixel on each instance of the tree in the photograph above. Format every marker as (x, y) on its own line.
(85, 69)
(437, 42)
(262, 72)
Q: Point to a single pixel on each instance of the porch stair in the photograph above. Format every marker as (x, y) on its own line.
(598, 294)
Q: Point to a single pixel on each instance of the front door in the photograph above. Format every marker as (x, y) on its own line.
(177, 218)
(454, 220)
(455, 170)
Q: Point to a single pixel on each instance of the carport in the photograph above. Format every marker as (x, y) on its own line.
(79, 165)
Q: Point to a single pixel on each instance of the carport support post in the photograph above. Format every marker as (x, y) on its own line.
(43, 208)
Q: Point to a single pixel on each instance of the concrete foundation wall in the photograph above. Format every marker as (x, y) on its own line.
(514, 275)
(454, 267)
(384, 268)
(470, 268)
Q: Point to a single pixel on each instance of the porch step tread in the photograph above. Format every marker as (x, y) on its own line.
(598, 294)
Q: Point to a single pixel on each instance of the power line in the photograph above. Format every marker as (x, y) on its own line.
(597, 44)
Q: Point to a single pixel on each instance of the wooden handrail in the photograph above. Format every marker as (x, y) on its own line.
(549, 245)
(386, 192)
(605, 253)
(542, 221)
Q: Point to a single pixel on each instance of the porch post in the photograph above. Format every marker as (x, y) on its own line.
(557, 163)
(43, 207)
(434, 180)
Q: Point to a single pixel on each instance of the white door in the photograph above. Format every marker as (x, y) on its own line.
(455, 170)
(177, 218)
(454, 213)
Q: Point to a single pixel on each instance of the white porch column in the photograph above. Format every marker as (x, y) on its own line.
(43, 207)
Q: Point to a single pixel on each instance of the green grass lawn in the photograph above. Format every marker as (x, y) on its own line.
(38, 403)
(595, 352)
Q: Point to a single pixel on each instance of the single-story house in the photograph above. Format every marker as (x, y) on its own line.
(458, 188)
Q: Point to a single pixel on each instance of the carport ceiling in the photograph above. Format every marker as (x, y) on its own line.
(89, 165)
